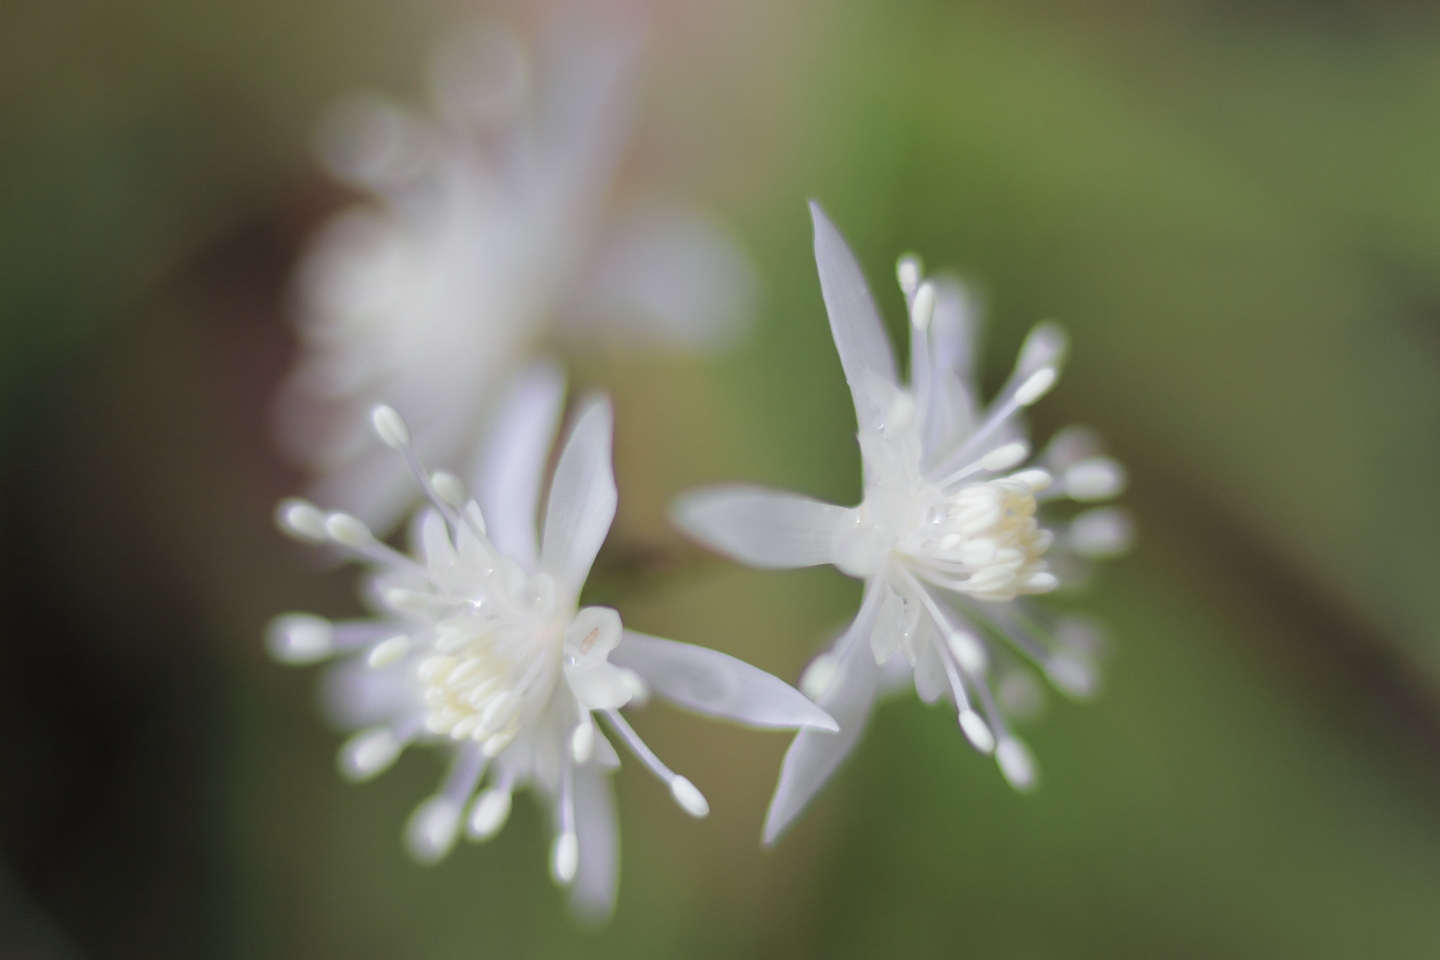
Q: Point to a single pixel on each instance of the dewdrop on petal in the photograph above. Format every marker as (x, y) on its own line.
(482, 650)
(953, 535)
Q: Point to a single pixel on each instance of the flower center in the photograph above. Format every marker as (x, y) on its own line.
(983, 539)
(492, 660)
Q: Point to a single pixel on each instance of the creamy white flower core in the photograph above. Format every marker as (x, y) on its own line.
(980, 538)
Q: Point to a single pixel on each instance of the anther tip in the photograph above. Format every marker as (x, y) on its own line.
(689, 797)
(566, 857)
(390, 427)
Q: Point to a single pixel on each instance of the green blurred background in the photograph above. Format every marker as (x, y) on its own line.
(1235, 209)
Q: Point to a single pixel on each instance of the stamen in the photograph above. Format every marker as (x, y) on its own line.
(371, 752)
(387, 652)
(684, 792)
(1017, 764)
(922, 308)
(302, 520)
(582, 739)
(352, 533)
(1095, 478)
(566, 857)
(491, 809)
(1001, 458)
(433, 827)
(390, 427)
(819, 675)
(300, 638)
(450, 487)
(908, 271)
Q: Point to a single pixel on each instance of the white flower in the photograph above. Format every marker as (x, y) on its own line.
(486, 227)
(946, 538)
(481, 645)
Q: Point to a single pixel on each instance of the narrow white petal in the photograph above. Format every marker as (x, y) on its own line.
(582, 500)
(597, 876)
(855, 323)
(760, 527)
(815, 755)
(508, 474)
(717, 685)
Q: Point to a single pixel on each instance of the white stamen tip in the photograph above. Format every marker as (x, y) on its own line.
(1036, 479)
(819, 675)
(1072, 675)
(582, 742)
(1103, 533)
(639, 689)
(474, 516)
(302, 520)
(1016, 764)
(923, 308)
(348, 531)
(969, 652)
(1095, 478)
(690, 798)
(390, 427)
(1036, 387)
(499, 710)
(432, 829)
(450, 487)
(977, 731)
(387, 652)
(300, 638)
(368, 753)
(565, 858)
(907, 271)
(1003, 458)
(489, 814)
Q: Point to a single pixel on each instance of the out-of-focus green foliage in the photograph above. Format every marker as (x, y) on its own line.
(1236, 214)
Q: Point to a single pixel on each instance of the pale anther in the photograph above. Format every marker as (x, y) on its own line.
(566, 858)
(302, 520)
(348, 531)
(388, 651)
(491, 810)
(1035, 387)
(390, 427)
(977, 731)
(300, 638)
(689, 797)
(923, 308)
(450, 487)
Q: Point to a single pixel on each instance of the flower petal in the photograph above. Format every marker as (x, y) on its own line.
(716, 685)
(582, 500)
(592, 896)
(507, 475)
(860, 336)
(760, 527)
(814, 756)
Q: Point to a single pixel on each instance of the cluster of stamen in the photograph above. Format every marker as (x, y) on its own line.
(984, 540)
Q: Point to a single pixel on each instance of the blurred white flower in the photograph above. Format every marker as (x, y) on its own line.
(946, 538)
(488, 227)
(481, 645)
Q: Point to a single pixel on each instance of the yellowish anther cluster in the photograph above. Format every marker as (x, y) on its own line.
(986, 541)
